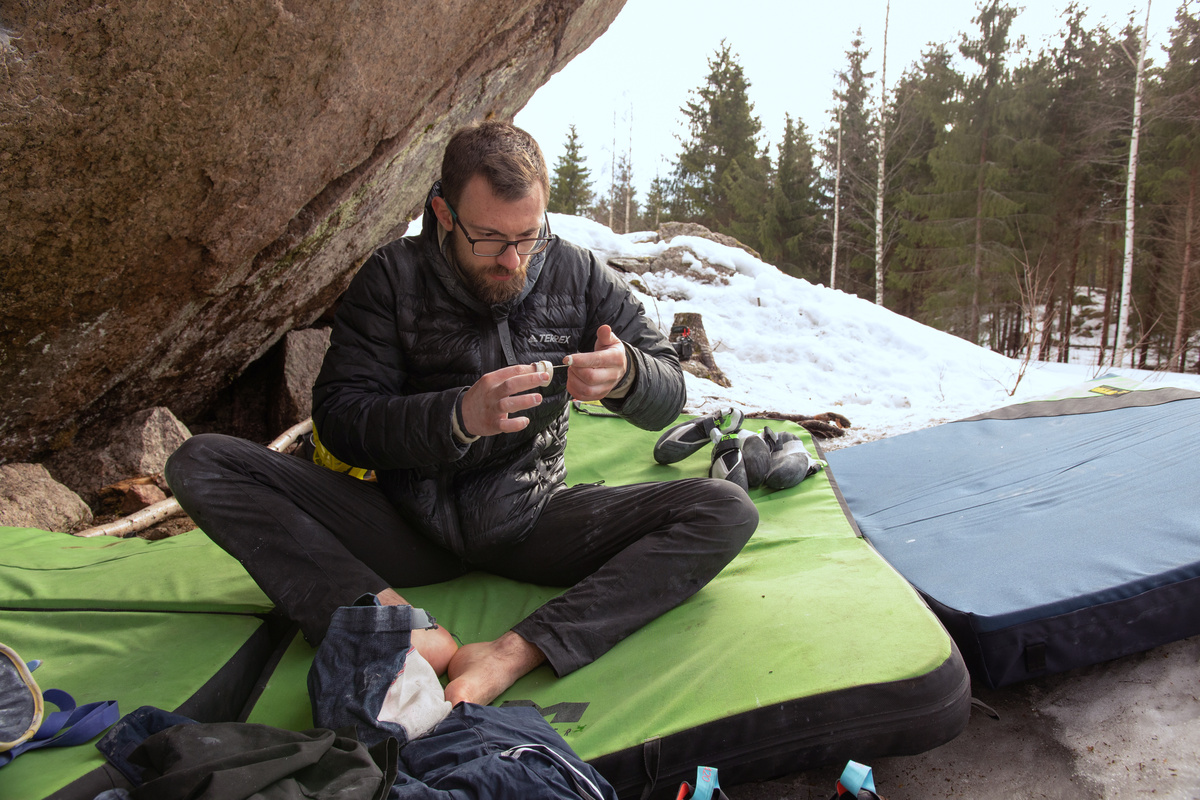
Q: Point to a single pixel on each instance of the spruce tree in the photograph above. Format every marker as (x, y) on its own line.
(722, 133)
(656, 202)
(747, 192)
(979, 127)
(855, 174)
(920, 111)
(571, 186)
(789, 233)
(967, 226)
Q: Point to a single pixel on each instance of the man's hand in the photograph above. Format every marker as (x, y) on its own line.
(487, 404)
(592, 376)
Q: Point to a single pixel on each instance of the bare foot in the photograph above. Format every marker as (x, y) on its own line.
(480, 672)
(436, 645)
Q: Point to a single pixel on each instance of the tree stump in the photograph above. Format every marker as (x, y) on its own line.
(701, 364)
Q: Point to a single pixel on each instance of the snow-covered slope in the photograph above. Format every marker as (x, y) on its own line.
(792, 347)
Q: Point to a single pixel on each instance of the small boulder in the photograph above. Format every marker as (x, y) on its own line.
(31, 498)
(300, 355)
(636, 265)
(140, 446)
(682, 261)
(669, 230)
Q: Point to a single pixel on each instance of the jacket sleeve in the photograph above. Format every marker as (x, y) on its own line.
(658, 392)
(360, 408)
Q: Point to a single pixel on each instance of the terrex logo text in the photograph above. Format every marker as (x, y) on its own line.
(549, 338)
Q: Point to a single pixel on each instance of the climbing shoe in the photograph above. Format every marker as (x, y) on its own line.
(727, 461)
(682, 440)
(790, 462)
(756, 454)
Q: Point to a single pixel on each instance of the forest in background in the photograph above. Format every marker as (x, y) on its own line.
(1003, 189)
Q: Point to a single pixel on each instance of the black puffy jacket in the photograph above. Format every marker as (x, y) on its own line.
(408, 339)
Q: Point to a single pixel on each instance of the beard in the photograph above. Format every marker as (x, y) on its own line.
(478, 279)
(493, 292)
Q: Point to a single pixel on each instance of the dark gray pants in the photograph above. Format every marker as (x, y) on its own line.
(315, 540)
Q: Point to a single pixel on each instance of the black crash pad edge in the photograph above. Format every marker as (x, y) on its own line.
(1080, 638)
(221, 698)
(837, 492)
(902, 717)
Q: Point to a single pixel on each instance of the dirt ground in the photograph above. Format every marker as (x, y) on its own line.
(1129, 728)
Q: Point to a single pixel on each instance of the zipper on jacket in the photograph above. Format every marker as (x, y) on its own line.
(491, 335)
(450, 514)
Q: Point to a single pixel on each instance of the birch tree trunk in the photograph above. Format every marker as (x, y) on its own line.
(1109, 292)
(629, 161)
(837, 192)
(1178, 354)
(1130, 183)
(612, 176)
(977, 267)
(881, 142)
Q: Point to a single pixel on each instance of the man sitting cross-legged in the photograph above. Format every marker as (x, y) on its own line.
(429, 381)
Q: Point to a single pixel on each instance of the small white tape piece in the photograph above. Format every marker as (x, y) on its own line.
(546, 367)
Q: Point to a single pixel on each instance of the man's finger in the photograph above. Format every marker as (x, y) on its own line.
(506, 374)
(530, 379)
(605, 337)
(518, 402)
(513, 424)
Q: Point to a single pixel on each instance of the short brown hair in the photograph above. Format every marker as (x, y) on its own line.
(505, 155)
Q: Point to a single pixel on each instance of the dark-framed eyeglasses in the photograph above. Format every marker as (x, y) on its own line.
(492, 248)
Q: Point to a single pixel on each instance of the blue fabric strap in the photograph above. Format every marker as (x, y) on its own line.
(857, 776)
(70, 725)
(706, 783)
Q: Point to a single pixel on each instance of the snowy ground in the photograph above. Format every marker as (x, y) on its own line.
(1128, 728)
(789, 346)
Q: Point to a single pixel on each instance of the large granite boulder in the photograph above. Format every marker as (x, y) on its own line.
(181, 184)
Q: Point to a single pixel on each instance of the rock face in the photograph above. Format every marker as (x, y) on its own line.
(181, 184)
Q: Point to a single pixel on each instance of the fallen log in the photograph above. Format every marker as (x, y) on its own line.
(826, 425)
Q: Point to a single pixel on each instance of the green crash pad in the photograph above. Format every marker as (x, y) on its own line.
(175, 624)
(807, 649)
(197, 661)
(183, 573)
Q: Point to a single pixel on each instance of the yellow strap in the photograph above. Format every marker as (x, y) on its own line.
(323, 458)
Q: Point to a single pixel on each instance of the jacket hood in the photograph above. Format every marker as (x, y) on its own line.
(447, 273)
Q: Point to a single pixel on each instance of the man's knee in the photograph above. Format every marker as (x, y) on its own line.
(726, 505)
(198, 459)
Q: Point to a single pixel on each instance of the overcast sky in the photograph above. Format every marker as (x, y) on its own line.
(656, 51)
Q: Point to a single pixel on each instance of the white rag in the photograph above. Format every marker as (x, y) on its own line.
(415, 701)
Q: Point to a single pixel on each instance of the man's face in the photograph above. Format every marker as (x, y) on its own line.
(493, 279)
